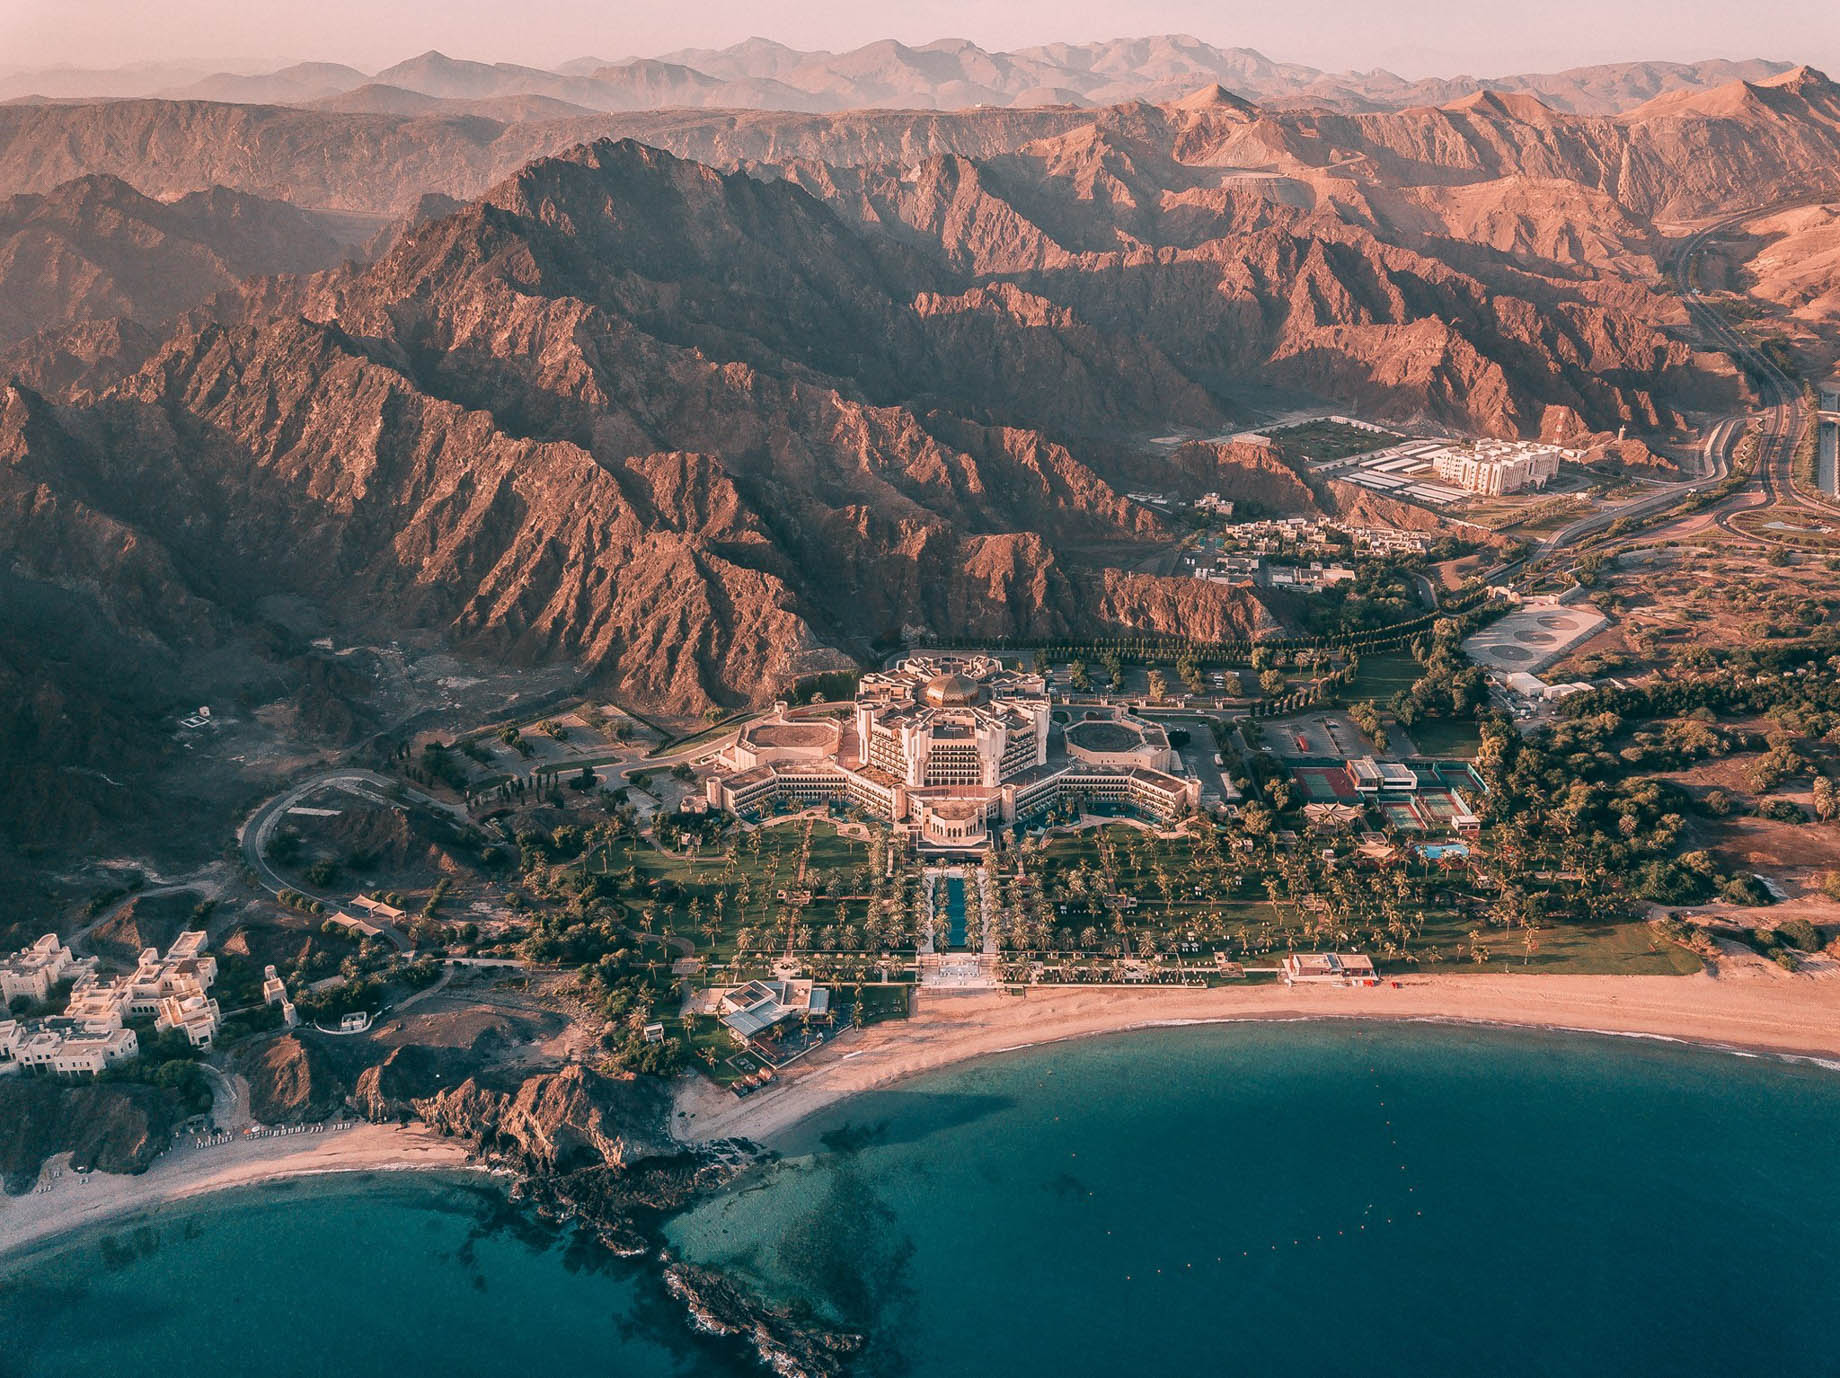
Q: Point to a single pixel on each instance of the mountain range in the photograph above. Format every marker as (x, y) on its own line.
(698, 404)
(948, 74)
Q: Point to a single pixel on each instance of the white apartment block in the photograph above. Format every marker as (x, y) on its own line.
(1494, 467)
(34, 971)
(57, 1046)
(91, 1034)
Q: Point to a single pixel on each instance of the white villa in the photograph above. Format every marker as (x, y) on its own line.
(1329, 969)
(92, 1033)
(32, 972)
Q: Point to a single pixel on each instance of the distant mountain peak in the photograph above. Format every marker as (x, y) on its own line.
(1801, 80)
(1514, 105)
(1214, 96)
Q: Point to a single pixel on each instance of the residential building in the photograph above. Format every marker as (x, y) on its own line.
(91, 1033)
(67, 1048)
(1328, 968)
(751, 1010)
(33, 972)
(196, 1016)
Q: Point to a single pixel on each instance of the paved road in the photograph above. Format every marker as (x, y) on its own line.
(1780, 420)
(259, 830)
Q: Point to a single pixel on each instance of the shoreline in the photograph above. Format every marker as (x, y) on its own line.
(74, 1203)
(1742, 1011)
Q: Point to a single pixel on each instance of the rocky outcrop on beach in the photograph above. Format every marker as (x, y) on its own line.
(618, 1204)
(389, 1090)
(558, 1121)
(104, 1127)
(292, 1080)
(594, 1152)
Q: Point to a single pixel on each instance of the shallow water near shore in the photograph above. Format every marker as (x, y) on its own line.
(388, 1273)
(1272, 1199)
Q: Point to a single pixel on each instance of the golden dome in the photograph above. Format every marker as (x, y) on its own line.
(951, 691)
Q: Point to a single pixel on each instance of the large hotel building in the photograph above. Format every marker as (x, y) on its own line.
(945, 747)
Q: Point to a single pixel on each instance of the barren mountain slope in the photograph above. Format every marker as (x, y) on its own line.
(696, 433)
(947, 73)
(1681, 156)
(618, 412)
(96, 248)
(1306, 280)
(380, 164)
(1792, 259)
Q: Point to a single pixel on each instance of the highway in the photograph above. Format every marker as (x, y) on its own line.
(1779, 420)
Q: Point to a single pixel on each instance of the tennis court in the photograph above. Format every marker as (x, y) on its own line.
(1437, 806)
(1460, 776)
(1400, 814)
(1324, 784)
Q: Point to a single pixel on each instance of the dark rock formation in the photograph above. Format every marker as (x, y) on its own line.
(292, 1080)
(558, 1121)
(792, 1347)
(390, 1089)
(110, 1127)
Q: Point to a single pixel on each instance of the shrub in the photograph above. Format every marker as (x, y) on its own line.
(1800, 933)
(1782, 811)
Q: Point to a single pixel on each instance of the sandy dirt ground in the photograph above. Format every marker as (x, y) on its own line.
(1752, 1007)
(74, 1201)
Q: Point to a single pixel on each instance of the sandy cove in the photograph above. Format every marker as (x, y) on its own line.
(1749, 1006)
(1744, 1008)
(74, 1202)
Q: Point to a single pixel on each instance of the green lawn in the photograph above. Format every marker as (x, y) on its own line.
(1453, 737)
(1331, 439)
(1626, 949)
(1382, 675)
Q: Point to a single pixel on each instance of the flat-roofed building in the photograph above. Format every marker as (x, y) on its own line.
(65, 1047)
(1329, 968)
(1494, 467)
(750, 1010)
(173, 990)
(945, 747)
(1373, 777)
(196, 1016)
(33, 972)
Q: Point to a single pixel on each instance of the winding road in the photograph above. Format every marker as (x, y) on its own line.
(258, 829)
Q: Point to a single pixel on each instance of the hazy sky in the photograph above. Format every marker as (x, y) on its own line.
(1413, 37)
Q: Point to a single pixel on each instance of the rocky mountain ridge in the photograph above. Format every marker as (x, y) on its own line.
(948, 73)
(698, 430)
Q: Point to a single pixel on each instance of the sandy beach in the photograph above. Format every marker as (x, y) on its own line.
(74, 1201)
(1741, 1007)
(1751, 1007)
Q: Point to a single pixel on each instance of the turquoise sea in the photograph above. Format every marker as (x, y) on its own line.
(1261, 1199)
